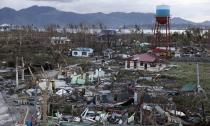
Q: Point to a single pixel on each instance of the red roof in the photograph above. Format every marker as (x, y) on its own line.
(146, 57)
(158, 50)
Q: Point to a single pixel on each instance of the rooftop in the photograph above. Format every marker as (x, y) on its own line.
(146, 57)
(84, 49)
(189, 88)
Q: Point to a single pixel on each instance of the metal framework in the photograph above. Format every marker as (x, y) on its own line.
(162, 32)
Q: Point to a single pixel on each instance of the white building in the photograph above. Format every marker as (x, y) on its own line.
(54, 84)
(60, 40)
(108, 53)
(146, 62)
(5, 27)
(82, 52)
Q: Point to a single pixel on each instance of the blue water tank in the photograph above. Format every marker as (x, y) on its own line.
(163, 11)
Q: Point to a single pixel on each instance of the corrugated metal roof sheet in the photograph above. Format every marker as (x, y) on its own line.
(84, 49)
(146, 57)
(189, 88)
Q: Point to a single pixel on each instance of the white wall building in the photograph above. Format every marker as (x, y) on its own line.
(5, 27)
(60, 40)
(146, 62)
(54, 84)
(82, 52)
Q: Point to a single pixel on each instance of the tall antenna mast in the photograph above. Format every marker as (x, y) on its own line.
(199, 88)
(198, 75)
(22, 70)
(16, 70)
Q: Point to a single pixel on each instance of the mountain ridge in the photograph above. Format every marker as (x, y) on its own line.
(44, 15)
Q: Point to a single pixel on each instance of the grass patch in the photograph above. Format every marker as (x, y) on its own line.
(186, 73)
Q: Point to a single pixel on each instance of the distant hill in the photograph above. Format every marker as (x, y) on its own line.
(41, 16)
(178, 20)
(206, 23)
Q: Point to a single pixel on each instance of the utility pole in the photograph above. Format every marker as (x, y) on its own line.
(141, 116)
(35, 80)
(199, 88)
(198, 76)
(16, 69)
(23, 70)
(141, 103)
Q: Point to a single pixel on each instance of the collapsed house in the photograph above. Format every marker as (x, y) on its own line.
(108, 53)
(60, 40)
(90, 76)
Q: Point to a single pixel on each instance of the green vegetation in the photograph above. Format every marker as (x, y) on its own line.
(76, 60)
(175, 78)
(191, 103)
(185, 73)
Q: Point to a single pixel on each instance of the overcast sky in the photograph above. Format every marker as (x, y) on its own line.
(195, 10)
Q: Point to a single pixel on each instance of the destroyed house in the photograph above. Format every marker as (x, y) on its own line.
(108, 32)
(60, 40)
(108, 53)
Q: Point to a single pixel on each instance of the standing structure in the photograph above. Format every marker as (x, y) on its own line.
(162, 27)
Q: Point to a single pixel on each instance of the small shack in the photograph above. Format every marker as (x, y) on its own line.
(189, 89)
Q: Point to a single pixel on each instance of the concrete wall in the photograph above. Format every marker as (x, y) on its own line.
(79, 54)
(158, 66)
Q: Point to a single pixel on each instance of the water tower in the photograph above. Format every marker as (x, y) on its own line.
(162, 27)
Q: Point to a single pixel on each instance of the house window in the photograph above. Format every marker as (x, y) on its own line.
(75, 53)
(84, 53)
(135, 64)
(141, 64)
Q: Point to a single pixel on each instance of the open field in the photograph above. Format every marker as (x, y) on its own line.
(185, 73)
